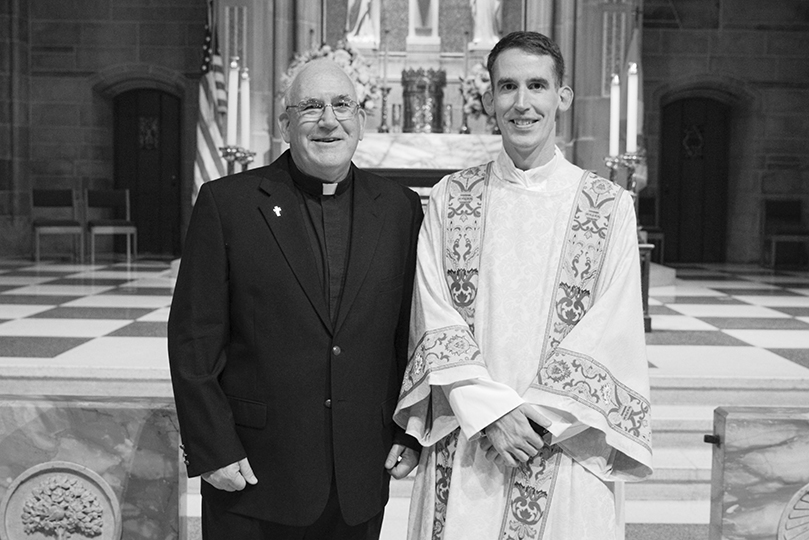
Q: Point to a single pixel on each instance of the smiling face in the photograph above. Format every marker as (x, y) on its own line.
(524, 98)
(322, 147)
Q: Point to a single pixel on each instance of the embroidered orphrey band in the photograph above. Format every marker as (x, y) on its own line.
(566, 372)
(444, 454)
(463, 235)
(531, 491)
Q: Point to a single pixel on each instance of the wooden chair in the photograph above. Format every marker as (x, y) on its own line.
(57, 198)
(117, 201)
(782, 223)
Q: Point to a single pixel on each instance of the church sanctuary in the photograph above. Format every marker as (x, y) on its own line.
(113, 114)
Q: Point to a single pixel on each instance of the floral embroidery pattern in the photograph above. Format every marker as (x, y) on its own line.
(584, 253)
(440, 349)
(578, 376)
(531, 490)
(444, 454)
(591, 384)
(462, 233)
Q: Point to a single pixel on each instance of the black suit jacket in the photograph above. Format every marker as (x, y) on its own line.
(257, 366)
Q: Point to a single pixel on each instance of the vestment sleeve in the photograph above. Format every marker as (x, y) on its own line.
(442, 349)
(198, 332)
(598, 374)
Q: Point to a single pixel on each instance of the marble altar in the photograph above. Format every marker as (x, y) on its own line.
(425, 150)
(119, 458)
(760, 474)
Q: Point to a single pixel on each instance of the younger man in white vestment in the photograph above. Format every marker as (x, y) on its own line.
(527, 380)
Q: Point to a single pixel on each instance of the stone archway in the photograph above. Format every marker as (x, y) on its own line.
(126, 80)
(738, 197)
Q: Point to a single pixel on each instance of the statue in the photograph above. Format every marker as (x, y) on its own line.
(362, 22)
(486, 14)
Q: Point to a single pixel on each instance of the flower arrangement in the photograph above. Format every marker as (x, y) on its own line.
(352, 62)
(473, 86)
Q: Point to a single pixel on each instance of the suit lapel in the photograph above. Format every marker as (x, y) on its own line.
(279, 206)
(367, 224)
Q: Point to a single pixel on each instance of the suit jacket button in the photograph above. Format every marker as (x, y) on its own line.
(336, 350)
(327, 403)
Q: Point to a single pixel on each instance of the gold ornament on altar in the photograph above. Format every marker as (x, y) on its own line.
(353, 63)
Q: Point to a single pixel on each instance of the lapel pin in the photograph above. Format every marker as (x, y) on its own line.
(277, 211)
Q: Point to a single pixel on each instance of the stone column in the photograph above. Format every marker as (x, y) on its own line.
(283, 47)
(539, 17)
(15, 183)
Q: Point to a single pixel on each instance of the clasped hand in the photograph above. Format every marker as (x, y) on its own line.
(401, 460)
(510, 440)
(233, 477)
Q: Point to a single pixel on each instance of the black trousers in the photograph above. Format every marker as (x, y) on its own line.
(218, 524)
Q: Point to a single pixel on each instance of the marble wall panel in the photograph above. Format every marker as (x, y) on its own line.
(426, 151)
(760, 474)
(132, 446)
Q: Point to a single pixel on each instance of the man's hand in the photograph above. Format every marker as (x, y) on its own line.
(510, 440)
(234, 477)
(401, 460)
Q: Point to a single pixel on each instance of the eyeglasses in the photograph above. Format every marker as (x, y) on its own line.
(312, 109)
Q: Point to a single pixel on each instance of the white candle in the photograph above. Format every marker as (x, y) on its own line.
(615, 115)
(244, 103)
(466, 55)
(632, 110)
(385, 63)
(233, 100)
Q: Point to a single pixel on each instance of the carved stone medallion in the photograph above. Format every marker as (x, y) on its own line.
(60, 500)
(794, 524)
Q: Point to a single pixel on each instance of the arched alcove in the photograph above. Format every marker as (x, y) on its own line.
(127, 88)
(706, 202)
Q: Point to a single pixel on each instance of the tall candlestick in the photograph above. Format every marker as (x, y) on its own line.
(233, 100)
(615, 115)
(632, 109)
(244, 98)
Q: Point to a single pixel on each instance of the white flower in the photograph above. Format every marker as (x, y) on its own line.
(473, 87)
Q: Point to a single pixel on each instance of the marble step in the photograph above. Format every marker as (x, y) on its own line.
(729, 391)
(681, 426)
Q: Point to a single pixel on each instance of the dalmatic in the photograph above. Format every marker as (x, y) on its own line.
(613, 440)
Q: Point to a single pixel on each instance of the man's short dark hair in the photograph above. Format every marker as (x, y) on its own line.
(532, 43)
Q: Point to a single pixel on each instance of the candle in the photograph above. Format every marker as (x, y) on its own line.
(466, 54)
(615, 115)
(233, 100)
(632, 110)
(385, 63)
(244, 103)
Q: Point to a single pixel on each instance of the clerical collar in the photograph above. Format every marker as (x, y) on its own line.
(316, 186)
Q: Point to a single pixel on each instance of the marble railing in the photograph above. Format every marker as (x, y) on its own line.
(760, 474)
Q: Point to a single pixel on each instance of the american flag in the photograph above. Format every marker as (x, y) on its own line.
(209, 164)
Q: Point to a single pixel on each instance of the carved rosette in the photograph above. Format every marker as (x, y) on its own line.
(794, 524)
(60, 500)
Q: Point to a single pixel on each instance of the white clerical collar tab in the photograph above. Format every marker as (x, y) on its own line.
(329, 189)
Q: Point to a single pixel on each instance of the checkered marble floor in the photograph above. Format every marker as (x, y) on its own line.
(63, 315)
(717, 321)
(714, 321)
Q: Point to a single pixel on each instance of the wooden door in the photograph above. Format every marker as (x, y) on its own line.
(147, 161)
(694, 180)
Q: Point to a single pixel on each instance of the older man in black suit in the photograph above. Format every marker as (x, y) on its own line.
(288, 331)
